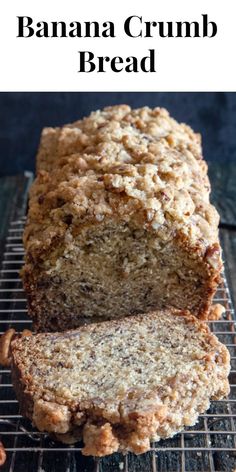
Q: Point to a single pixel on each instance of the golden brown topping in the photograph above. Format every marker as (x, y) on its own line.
(133, 164)
(26, 332)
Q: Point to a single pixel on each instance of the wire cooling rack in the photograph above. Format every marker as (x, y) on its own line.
(210, 446)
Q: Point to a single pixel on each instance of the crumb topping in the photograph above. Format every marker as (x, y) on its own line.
(135, 165)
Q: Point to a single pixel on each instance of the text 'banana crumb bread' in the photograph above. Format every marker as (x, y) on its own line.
(119, 220)
(119, 384)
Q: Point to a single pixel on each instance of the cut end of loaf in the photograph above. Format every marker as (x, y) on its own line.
(114, 270)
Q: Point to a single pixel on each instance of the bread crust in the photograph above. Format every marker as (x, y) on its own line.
(139, 416)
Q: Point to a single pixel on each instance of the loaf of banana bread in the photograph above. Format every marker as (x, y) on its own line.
(119, 221)
(121, 383)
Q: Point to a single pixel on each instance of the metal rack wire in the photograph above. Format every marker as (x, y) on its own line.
(210, 446)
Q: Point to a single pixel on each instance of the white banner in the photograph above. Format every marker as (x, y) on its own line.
(170, 45)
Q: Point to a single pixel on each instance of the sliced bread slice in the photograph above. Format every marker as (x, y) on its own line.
(119, 384)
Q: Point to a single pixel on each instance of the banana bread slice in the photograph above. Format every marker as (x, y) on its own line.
(119, 221)
(120, 384)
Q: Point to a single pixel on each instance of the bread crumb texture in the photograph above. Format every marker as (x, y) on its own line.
(119, 384)
(138, 165)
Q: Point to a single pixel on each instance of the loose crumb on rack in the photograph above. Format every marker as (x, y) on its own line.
(216, 311)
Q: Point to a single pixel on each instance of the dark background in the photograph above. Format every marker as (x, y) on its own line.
(23, 115)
